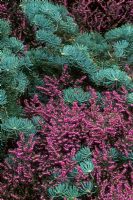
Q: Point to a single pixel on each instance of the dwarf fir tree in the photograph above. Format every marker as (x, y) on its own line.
(103, 58)
(13, 82)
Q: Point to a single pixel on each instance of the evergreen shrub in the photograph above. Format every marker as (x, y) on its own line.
(13, 83)
(103, 58)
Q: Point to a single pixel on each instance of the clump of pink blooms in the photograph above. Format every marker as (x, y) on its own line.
(3, 7)
(99, 15)
(30, 169)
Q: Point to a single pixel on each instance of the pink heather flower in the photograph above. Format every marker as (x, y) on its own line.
(46, 160)
(3, 7)
(99, 15)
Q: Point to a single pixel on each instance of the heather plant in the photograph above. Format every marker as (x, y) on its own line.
(99, 15)
(80, 150)
(104, 128)
(30, 182)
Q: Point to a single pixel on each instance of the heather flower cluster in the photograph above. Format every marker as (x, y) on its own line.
(99, 15)
(46, 160)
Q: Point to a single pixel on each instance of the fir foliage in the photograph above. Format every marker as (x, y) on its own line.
(3, 97)
(113, 78)
(110, 53)
(67, 189)
(16, 125)
(13, 80)
(86, 187)
(102, 57)
(83, 154)
(76, 94)
(54, 28)
(130, 98)
(13, 83)
(119, 157)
